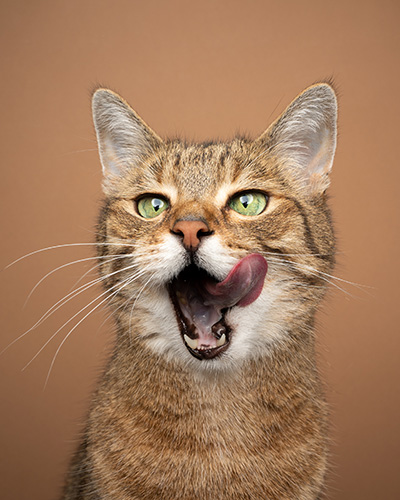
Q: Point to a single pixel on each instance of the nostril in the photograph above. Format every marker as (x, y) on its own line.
(192, 231)
(177, 231)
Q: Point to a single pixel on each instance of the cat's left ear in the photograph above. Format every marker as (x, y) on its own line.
(303, 138)
(123, 138)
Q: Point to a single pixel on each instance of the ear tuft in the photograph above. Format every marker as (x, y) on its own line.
(303, 138)
(123, 138)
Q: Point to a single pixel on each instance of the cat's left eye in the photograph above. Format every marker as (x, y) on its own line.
(151, 206)
(249, 202)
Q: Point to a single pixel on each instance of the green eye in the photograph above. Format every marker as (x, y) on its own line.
(151, 206)
(249, 203)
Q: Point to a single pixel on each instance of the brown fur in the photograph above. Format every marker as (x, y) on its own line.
(162, 426)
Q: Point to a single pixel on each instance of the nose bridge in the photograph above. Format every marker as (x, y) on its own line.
(191, 221)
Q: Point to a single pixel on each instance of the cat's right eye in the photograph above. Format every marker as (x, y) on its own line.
(151, 206)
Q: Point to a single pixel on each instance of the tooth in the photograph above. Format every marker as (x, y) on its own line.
(192, 343)
(221, 340)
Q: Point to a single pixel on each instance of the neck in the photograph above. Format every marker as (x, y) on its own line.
(207, 434)
(262, 392)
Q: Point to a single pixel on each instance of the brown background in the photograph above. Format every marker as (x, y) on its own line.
(204, 70)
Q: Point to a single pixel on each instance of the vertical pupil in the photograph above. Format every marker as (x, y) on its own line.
(246, 199)
(157, 204)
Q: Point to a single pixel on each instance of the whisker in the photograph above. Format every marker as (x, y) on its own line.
(113, 313)
(127, 282)
(70, 264)
(95, 267)
(84, 275)
(275, 254)
(80, 151)
(60, 303)
(137, 298)
(305, 266)
(313, 272)
(357, 285)
(124, 305)
(63, 246)
(129, 279)
(52, 310)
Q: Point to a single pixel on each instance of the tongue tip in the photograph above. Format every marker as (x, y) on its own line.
(252, 296)
(255, 260)
(258, 269)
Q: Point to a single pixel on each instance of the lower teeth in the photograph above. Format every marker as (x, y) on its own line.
(194, 343)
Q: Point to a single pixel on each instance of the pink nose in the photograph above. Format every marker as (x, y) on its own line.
(192, 231)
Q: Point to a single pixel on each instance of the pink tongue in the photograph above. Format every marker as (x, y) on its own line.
(203, 303)
(242, 285)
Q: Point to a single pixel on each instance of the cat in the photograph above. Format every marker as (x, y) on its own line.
(214, 258)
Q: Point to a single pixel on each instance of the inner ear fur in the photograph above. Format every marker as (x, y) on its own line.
(303, 138)
(123, 138)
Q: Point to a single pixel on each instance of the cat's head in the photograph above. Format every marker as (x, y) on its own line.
(214, 252)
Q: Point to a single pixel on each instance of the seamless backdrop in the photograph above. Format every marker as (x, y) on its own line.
(202, 70)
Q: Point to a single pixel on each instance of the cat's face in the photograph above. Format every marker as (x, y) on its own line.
(222, 246)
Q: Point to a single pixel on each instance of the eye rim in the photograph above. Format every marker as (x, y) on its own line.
(151, 196)
(249, 191)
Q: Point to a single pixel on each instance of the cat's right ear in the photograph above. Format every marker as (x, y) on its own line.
(123, 138)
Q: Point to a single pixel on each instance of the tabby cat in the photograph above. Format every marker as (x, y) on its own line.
(214, 257)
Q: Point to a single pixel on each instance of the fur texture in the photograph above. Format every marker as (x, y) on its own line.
(251, 422)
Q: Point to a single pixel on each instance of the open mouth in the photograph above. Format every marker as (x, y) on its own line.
(201, 303)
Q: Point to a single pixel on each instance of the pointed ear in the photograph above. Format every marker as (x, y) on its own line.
(303, 138)
(123, 138)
